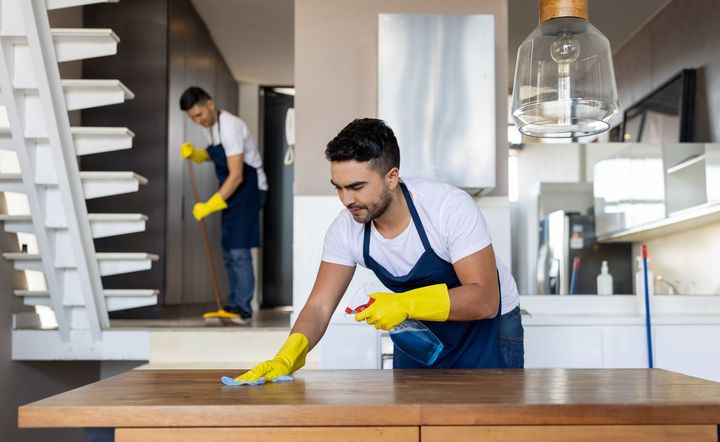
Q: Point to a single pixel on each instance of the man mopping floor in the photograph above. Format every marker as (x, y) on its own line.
(241, 194)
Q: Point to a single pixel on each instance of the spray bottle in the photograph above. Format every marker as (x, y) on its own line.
(412, 337)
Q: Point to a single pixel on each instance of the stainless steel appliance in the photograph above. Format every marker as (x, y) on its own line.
(436, 89)
(569, 257)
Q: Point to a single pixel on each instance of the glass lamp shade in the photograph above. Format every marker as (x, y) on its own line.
(564, 81)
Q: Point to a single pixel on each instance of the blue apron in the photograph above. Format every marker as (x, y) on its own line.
(467, 344)
(241, 220)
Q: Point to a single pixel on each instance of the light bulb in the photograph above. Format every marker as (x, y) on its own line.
(565, 49)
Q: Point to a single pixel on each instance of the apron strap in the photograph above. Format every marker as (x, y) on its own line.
(416, 221)
(415, 217)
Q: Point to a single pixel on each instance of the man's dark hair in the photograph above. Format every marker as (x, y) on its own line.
(366, 140)
(192, 96)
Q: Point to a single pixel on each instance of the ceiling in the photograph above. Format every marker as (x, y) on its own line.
(256, 36)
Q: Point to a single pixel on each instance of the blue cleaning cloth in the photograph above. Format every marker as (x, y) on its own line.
(231, 381)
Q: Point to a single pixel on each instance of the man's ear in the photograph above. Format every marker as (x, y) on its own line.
(393, 178)
(211, 105)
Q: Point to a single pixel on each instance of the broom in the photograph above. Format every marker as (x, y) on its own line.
(206, 243)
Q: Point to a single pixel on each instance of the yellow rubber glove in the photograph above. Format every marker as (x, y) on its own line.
(187, 150)
(289, 359)
(431, 303)
(215, 203)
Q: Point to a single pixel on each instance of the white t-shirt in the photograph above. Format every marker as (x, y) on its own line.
(237, 139)
(453, 224)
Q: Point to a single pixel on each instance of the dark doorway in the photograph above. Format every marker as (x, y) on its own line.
(277, 233)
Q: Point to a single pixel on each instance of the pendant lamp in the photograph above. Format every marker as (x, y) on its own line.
(564, 81)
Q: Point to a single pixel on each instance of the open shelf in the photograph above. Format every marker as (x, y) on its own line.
(693, 159)
(678, 221)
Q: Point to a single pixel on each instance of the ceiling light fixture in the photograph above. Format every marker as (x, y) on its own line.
(564, 81)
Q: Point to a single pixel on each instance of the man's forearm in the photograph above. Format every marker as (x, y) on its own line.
(312, 322)
(230, 186)
(472, 302)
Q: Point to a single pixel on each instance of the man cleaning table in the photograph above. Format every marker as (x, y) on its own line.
(427, 242)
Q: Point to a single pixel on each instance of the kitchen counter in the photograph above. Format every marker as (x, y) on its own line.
(399, 405)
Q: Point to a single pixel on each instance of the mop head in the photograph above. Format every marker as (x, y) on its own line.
(220, 314)
(224, 317)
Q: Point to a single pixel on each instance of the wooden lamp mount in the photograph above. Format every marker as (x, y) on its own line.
(563, 8)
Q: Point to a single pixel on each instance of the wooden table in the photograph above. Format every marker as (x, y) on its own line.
(396, 405)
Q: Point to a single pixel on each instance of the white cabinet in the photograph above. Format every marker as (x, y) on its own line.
(687, 349)
(691, 350)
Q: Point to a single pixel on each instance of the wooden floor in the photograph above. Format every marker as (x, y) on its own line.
(191, 316)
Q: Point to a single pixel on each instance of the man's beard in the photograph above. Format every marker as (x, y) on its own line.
(374, 210)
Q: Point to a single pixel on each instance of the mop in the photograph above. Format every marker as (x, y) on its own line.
(222, 316)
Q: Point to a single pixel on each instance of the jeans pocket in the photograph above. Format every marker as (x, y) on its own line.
(512, 339)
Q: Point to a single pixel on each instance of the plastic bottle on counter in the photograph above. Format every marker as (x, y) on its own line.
(640, 285)
(604, 281)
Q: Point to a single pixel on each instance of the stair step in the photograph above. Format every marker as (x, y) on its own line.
(79, 94)
(101, 224)
(110, 263)
(70, 44)
(80, 43)
(46, 345)
(115, 299)
(83, 94)
(6, 141)
(99, 184)
(88, 140)
(58, 4)
(95, 184)
(11, 182)
(29, 320)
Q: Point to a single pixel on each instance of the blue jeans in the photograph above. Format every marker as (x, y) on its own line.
(241, 281)
(512, 339)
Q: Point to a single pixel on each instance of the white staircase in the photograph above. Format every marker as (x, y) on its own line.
(36, 101)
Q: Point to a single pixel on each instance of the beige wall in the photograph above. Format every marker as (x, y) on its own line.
(336, 75)
(689, 259)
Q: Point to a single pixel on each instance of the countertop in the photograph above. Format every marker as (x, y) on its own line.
(196, 398)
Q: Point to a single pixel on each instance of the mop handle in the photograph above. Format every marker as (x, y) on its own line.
(206, 241)
(647, 307)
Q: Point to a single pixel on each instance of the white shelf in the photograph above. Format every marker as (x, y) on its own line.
(676, 222)
(694, 159)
